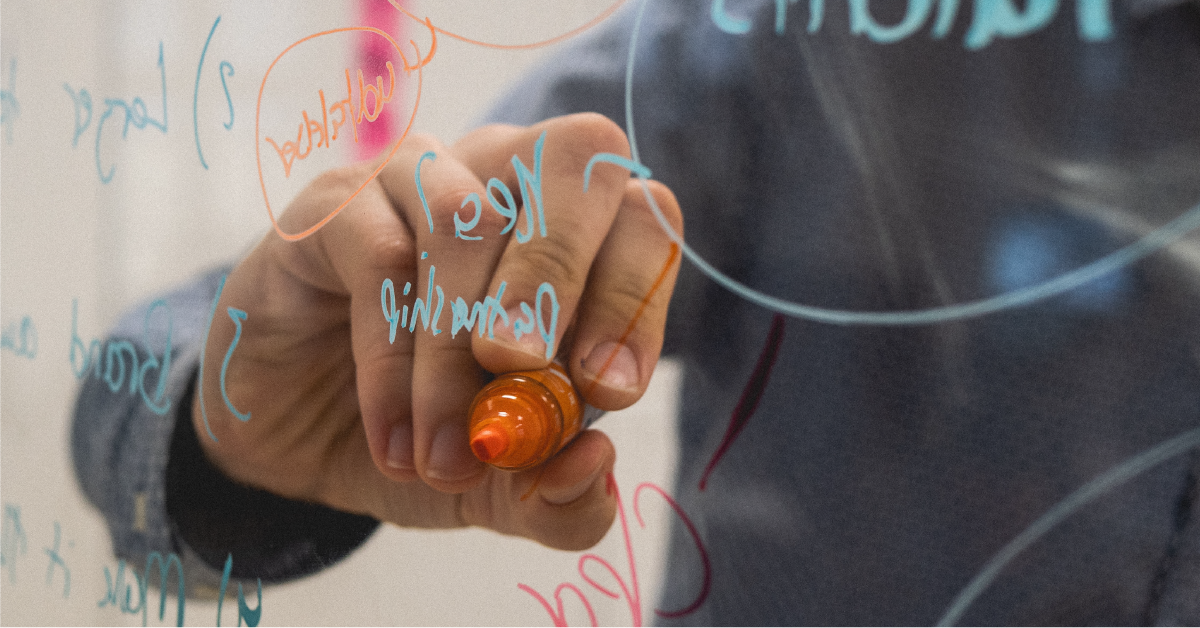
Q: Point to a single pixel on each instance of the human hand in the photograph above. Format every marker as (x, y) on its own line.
(341, 415)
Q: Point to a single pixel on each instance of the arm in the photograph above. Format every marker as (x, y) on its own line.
(185, 510)
(348, 414)
(329, 393)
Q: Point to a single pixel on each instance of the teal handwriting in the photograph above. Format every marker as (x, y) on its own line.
(212, 313)
(21, 338)
(529, 185)
(479, 314)
(541, 318)
(136, 114)
(120, 360)
(10, 109)
(225, 67)
(120, 594)
(990, 19)
(83, 105)
(125, 603)
(238, 316)
(250, 615)
(13, 542)
(56, 562)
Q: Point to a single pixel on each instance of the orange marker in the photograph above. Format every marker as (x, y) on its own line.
(522, 419)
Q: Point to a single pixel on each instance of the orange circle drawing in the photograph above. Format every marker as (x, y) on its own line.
(292, 237)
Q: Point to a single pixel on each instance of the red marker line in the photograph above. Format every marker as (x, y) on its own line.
(706, 584)
(751, 394)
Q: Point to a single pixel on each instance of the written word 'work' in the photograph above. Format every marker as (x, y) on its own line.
(118, 359)
(480, 315)
(990, 19)
(338, 113)
(127, 603)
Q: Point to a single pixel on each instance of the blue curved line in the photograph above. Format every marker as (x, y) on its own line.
(1123, 472)
(203, 349)
(1085, 494)
(238, 316)
(1150, 243)
(633, 37)
(196, 93)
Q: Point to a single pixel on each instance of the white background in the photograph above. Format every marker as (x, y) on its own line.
(65, 236)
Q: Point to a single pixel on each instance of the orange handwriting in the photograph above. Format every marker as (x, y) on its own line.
(368, 108)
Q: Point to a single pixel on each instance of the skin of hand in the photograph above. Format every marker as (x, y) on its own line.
(342, 417)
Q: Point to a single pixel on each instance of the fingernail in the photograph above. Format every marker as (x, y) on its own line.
(567, 495)
(529, 343)
(613, 365)
(450, 457)
(400, 451)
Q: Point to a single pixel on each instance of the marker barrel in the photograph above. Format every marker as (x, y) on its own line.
(521, 419)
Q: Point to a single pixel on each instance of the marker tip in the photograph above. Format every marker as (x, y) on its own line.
(489, 443)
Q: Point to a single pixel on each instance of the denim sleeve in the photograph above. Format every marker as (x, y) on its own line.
(157, 492)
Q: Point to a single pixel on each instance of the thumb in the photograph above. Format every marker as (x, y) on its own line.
(564, 504)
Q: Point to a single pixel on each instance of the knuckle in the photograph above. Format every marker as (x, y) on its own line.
(623, 297)
(401, 165)
(325, 192)
(551, 260)
(338, 182)
(421, 142)
(491, 222)
(663, 197)
(495, 129)
(584, 135)
(444, 205)
(386, 252)
(578, 526)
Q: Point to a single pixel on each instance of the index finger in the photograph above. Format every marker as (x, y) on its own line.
(556, 232)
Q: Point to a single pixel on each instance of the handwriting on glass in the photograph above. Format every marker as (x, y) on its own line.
(10, 108)
(120, 360)
(342, 112)
(135, 110)
(628, 589)
(14, 544)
